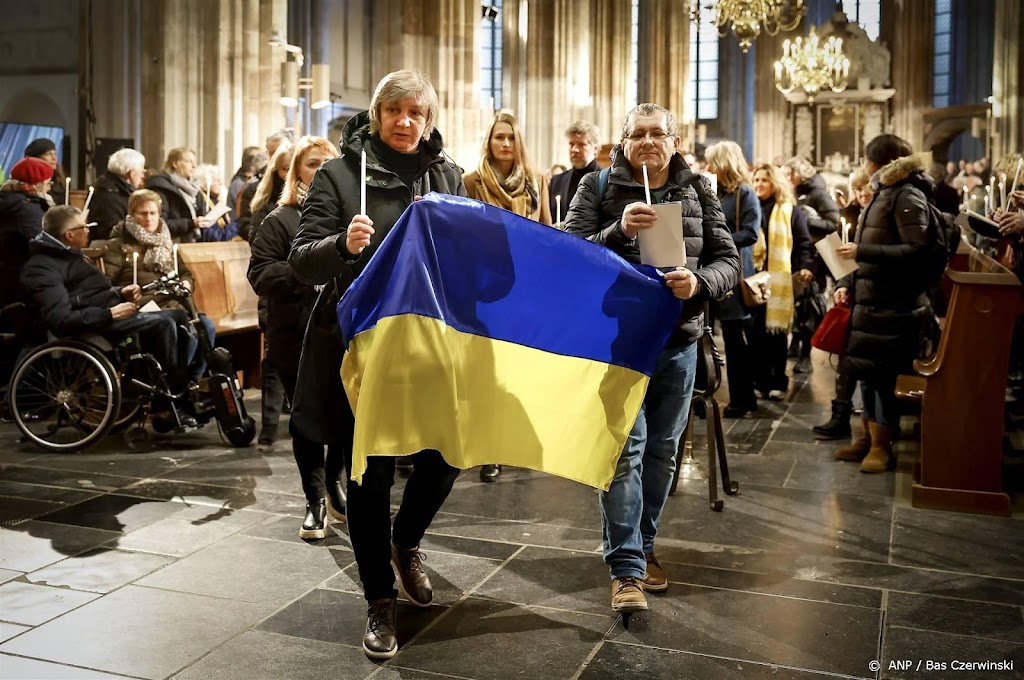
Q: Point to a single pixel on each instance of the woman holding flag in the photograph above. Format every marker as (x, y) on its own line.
(390, 155)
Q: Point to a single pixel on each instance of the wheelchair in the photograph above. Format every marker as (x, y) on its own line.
(66, 394)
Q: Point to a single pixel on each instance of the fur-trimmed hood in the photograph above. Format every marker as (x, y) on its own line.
(901, 169)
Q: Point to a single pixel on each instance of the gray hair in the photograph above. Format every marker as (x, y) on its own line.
(123, 161)
(279, 134)
(405, 84)
(649, 109)
(588, 130)
(58, 218)
(801, 167)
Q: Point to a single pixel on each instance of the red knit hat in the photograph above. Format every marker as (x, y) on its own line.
(31, 171)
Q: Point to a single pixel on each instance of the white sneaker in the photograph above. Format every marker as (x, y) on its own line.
(776, 395)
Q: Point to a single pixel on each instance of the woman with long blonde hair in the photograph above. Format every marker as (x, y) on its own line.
(743, 218)
(505, 177)
(289, 304)
(783, 248)
(270, 188)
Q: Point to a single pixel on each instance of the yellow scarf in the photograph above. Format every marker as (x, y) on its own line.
(780, 307)
(494, 192)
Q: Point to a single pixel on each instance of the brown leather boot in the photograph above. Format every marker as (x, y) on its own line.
(880, 458)
(859, 447)
(412, 577)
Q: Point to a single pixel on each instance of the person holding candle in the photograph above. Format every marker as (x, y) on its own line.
(143, 233)
(126, 171)
(584, 143)
(887, 292)
(182, 212)
(289, 304)
(335, 240)
(612, 215)
(505, 178)
(743, 218)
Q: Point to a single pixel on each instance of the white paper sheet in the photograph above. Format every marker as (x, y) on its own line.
(216, 212)
(838, 266)
(150, 306)
(662, 245)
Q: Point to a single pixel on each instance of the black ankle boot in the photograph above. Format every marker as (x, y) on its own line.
(336, 500)
(839, 426)
(489, 473)
(314, 526)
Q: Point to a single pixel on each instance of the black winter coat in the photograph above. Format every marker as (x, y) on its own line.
(888, 288)
(565, 184)
(109, 205)
(319, 257)
(289, 300)
(174, 209)
(66, 290)
(21, 220)
(813, 193)
(710, 251)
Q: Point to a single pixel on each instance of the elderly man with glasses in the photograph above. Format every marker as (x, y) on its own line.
(610, 208)
(72, 296)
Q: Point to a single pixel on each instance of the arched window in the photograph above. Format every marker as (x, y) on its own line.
(702, 87)
(490, 53)
(941, 61)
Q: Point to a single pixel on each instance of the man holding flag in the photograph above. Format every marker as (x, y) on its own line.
(610, 209)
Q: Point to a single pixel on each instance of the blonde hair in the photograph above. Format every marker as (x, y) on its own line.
(174, 157)
(142, 197)
(399, 85)
(290, 193)
(726, 160)
(783, 189)
(859, 178)
(521, 158)
(266, 185)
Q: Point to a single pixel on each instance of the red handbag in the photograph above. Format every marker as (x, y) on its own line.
(833, 331)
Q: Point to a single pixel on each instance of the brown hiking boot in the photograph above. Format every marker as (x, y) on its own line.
(627, 596)
(655, 580)
(412, 578)
(380, 641)
(880, 458)
(859, 447)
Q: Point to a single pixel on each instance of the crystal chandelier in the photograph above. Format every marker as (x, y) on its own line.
(748, 18)
(812, 66)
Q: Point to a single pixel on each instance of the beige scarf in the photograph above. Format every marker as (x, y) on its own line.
(780, 307)
(158, 253)
(516, 192)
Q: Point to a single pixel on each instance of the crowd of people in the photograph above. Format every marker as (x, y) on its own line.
(297, 203)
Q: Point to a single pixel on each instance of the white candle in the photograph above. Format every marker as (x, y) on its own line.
(88, 200)
(67, 191)
(967, 197)
(987, 203)
(174, 256)
(362, 185)
(846, 231)
(135, 268)
(1002, 195)
(558, 209)
(1016, 175)
(647, 184)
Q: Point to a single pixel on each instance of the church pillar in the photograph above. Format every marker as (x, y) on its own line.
(908, 29)
(1008, 98)
(663, 61)
(772, 134)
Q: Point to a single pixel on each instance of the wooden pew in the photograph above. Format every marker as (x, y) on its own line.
(223, 293)
(962, 390)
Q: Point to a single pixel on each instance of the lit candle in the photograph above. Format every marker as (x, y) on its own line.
(785, 48)
(987, 202)
(647, 184)
(174, 256)
(67, 191)
(1002, 195)
(778, 71)
(846, 231)
(88, 200)
(362, 185)
(558, 209)
(967, 197)
(135, 268)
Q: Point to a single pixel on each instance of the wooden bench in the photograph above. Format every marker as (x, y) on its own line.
(223, 293)
(962, 391)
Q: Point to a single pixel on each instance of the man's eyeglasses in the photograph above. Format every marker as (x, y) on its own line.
(82, 226)
(655, 135)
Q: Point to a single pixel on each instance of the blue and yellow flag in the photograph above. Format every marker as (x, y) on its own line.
(495, 339)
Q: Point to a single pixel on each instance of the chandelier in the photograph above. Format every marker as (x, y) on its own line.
(748, 18)
(812, 66)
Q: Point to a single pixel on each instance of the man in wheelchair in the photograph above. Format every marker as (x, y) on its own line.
(72, 297)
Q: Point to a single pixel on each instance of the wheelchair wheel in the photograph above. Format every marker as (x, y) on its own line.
(64, 396)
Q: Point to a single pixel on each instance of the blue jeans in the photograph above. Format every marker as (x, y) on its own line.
(631, 508)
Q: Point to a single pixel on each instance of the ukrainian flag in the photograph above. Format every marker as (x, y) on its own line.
(495, 339)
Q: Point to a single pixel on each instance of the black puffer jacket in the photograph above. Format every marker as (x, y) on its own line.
(888, 288)
(175, 209)
(65, 290)
(320, 408)
(109, 205)
(813, 193)
(289, 301)
(710, 251)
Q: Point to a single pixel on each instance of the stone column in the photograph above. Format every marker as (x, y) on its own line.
(1008, 74)
(908, 29)
(664, 56)
(771, 119)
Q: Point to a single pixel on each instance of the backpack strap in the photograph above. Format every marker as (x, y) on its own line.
(602, 183)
